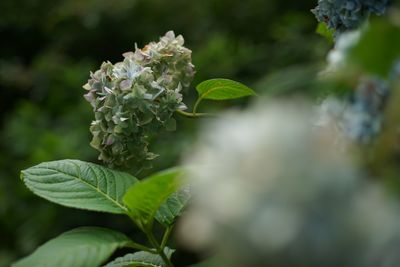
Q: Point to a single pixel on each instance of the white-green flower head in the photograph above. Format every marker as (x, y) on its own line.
(170, 61)
(135, 99)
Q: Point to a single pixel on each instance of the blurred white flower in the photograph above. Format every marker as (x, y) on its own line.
(337, 57)
(271, 189)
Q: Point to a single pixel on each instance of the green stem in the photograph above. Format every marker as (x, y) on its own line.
(194, 115)
(166, 236)
(196, 105)
(160, 250)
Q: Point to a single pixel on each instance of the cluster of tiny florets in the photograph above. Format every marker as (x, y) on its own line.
(361, 115)
(365, 108)
(363, 119)
(343, 15)
(136, 98)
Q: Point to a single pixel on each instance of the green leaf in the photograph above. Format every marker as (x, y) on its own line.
(140, 259)
(222, 89)
(145, 197)
(173, 207)
(79, 184)
(378, 48)
(302, 80)
(324, 31)
(81, 247)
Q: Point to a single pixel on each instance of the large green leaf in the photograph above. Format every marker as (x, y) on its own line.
(173, 207)
(222, 89)
(79, 184)
(140, 259)
(145, 197)
(81, 247)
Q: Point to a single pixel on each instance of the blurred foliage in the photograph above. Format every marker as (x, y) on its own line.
(49, 47)
(375, 54)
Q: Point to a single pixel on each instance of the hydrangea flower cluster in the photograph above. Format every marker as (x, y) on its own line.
(343, 15)
(360, 116)
(136, 98)
(364, 115)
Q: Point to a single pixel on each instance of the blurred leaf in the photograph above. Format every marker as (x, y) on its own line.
(378, 48)
(81, 247)
(223, 89)
(173, 207)
(145, 197)
(323, 30)
(302, 79)
(170, 124)
(79, 184)
(140, 259)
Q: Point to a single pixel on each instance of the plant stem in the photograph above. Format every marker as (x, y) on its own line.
(194, 115)
(166, 236)
(160, 250)
(196, 105)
